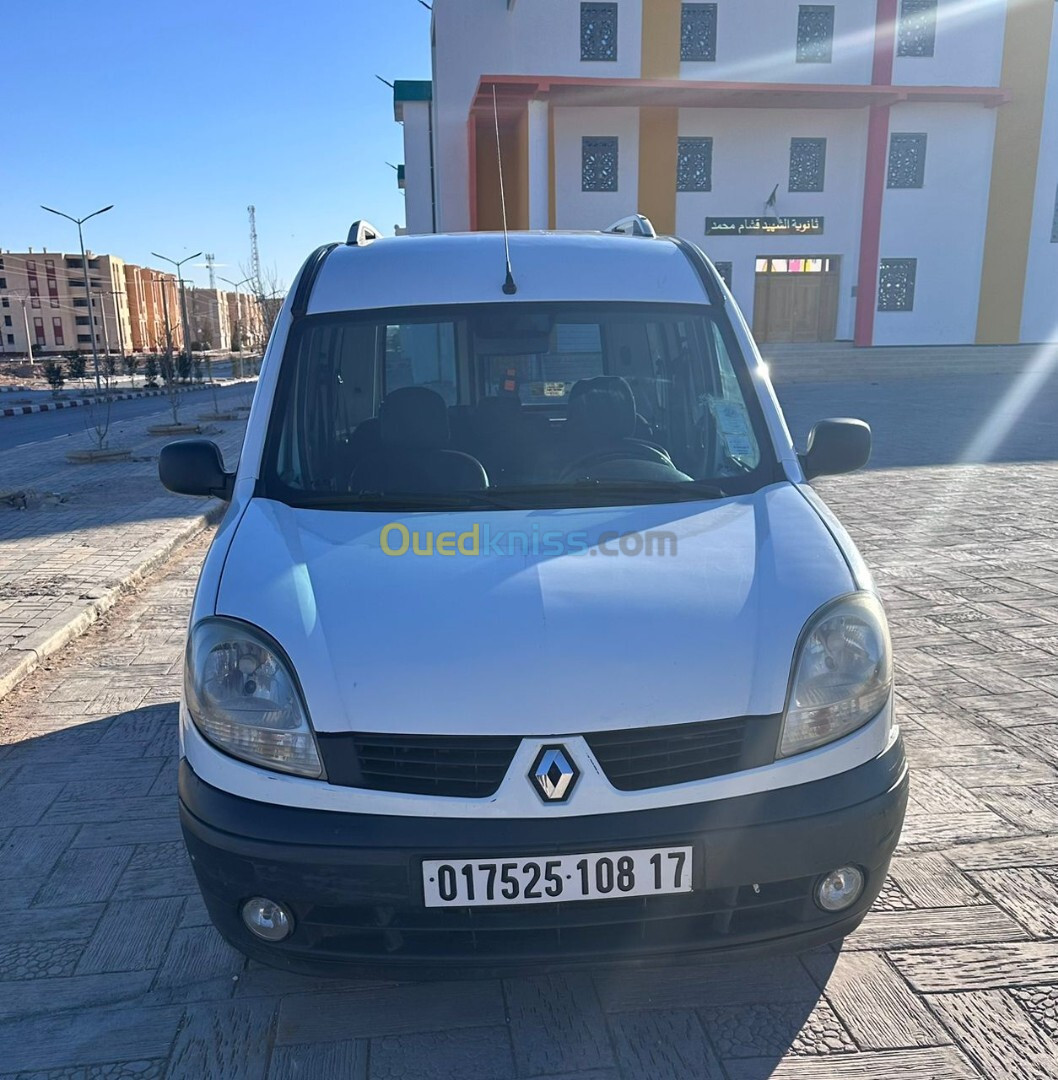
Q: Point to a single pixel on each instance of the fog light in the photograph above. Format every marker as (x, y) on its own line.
(840, 889)
(267, 919)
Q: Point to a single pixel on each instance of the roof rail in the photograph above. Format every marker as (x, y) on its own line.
(362, 233)
(633, 225)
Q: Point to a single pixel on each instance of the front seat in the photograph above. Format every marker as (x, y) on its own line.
(413, 457)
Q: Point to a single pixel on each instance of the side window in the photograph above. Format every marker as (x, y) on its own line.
(598, 163)
(917, 29)
(896, 285)
(694, 163)
(907, 160)
(421, 354)
(598, 31)
(808, 164)
(698, 32)
(815, 33)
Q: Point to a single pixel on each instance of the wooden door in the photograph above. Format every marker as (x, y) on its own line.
(796, 307)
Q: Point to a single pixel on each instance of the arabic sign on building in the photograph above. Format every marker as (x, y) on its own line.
(763, 226)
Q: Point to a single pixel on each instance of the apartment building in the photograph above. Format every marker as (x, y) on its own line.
(208, 318)
(47, 297)
(244, 318)
(880, 171)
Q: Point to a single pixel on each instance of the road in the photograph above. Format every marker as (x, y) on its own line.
(19, 432)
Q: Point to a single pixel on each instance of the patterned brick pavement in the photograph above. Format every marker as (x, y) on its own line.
(108, 967)
(72, 535)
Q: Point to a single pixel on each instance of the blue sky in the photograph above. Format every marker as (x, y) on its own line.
(192, 110)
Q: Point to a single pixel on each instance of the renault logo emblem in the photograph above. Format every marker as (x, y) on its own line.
(553, 774)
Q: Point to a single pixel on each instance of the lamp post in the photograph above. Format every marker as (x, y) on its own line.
(183, 295)
(84, 266)
(236, 285)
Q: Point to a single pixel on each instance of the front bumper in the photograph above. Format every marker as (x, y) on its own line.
(353, 881)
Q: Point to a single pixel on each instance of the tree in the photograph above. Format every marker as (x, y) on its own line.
(171, 379)
(150, 370)
(184, 367)
(54, 374)
(97, 419)
(131, 363)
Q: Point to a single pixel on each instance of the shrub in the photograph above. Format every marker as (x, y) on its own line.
(54, 374)
(77, 365)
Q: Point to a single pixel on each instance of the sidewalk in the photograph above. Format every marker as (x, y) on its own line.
(72, 403)
(840, 361)
(87, 532)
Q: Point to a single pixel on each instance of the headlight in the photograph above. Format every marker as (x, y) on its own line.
(843, 673)
(243, 697)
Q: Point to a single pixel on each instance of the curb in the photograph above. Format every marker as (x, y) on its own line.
(52, 406)
(24, 658)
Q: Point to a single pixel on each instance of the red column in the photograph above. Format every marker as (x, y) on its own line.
(874, 174)
(472, 166)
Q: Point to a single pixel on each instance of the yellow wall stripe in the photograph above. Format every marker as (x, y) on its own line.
(661, 39)
(1015, 158)
(658, 135)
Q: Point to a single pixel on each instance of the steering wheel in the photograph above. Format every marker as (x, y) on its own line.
(634, 451)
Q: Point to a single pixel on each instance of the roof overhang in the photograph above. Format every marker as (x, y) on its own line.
(512, 91)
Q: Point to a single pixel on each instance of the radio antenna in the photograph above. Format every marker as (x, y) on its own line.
(509, 287)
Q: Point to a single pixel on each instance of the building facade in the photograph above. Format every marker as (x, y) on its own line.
(207, 313)
(47, 298)
(880, 171)
(44, 300)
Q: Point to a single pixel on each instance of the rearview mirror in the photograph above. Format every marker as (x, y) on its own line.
(837, 445)
(195, 467)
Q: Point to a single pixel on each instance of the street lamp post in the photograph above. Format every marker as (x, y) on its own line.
(183, 296)
(236, 285)
(84, 266)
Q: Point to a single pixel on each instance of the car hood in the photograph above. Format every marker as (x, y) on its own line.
(536, 644)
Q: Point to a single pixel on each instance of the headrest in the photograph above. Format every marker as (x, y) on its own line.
(414, 417)
(602, 408)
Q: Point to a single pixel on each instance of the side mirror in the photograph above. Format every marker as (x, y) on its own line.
(836, 446)
(195, 467)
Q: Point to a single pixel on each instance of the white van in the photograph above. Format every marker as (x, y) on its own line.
(524, 641)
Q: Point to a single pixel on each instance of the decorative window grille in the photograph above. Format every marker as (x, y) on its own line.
(694, 164)
(916, 33)
(808, 162)
(896, 285)
(598, 31)
(698, 32)
(724, 270)
(598, 163)
(815, 33)
(907, 160)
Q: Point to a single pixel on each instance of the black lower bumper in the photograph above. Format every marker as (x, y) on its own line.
(354, 882)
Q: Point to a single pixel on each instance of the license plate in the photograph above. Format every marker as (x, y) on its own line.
(549, 879)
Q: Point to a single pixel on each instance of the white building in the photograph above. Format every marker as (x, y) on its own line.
(911, 146)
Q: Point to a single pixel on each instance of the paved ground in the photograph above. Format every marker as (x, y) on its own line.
(70, 535)
(109, 969)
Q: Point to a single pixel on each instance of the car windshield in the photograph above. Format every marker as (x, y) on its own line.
(513, 405)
